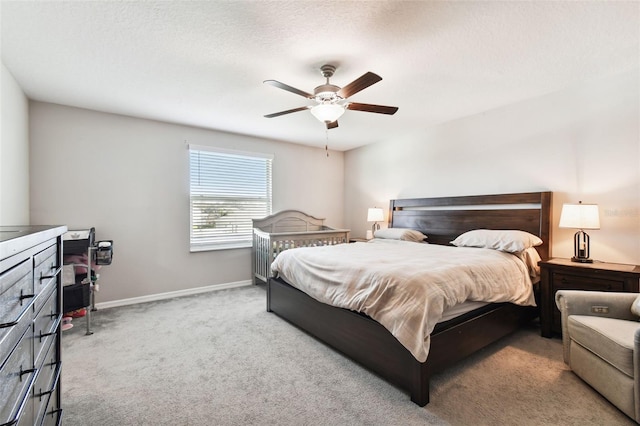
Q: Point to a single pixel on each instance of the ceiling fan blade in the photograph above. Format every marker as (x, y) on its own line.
(380, 109)
(289, 111)
(359, 84)
(332, 125)
(289, 88)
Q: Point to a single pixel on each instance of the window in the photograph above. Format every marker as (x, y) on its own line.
(227, 190)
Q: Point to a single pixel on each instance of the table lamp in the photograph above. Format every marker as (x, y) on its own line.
(374, 215)
(580, 216)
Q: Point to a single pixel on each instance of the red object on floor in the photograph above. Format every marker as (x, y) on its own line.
(78, 313)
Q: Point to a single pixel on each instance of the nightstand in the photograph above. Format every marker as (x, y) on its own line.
(358, 240)
(563, 274)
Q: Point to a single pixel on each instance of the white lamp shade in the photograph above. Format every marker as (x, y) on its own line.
(375, 215)
(580, 216)
(327, 113)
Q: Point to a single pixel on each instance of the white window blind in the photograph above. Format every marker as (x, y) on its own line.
(227, 190)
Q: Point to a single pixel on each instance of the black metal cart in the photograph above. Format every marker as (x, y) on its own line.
(79, 287)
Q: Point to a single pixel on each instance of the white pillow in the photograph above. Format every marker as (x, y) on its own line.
(510, 241)
(400, 234)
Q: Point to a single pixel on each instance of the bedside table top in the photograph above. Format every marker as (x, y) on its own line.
(616, 267)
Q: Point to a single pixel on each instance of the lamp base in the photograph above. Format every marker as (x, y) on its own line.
(581, 260)
(581, 247)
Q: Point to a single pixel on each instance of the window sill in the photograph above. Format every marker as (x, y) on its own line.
(196, 249)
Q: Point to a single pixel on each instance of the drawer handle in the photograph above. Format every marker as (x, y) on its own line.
(55, 329)
(54, 384)
(25, 296)
(23, 372)
(46, 334)
(59, 413)
(41, 394)
(17, 320)
(53, 268)
(23, 404)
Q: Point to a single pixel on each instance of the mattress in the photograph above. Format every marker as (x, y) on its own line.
(460, 309)
(405, 286)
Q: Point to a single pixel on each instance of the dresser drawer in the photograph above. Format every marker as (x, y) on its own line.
(17, 376)
(562, 281)
(16, 302)
(44, 255)
(46, 268)
(47, 382)
(45, 325)
(53, 413)
(578, 282)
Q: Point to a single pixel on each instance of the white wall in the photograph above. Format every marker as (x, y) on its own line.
(128, 178)
(581, 143)
(14, 152)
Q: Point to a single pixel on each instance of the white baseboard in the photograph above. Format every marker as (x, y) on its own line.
(171, 294)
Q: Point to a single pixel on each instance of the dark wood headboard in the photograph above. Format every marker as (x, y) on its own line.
(444, 218)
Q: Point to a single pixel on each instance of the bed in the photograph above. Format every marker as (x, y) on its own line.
(442, 219)
(285, 230)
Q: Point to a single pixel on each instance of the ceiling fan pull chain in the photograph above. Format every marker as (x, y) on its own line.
(326, 145)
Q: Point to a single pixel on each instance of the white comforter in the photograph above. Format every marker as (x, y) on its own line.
(405, 286)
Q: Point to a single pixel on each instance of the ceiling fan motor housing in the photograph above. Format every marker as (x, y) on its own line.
(327, 70)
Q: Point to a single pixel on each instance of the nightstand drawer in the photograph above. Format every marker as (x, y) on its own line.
(563, 281)
(579, 282)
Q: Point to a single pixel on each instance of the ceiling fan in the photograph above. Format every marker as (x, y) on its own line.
(331, 100)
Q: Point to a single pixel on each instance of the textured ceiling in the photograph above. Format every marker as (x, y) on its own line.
(203, 63)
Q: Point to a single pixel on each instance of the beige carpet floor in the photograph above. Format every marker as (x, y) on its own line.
(220, 359)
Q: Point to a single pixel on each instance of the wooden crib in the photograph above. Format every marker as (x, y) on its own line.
(284, 230)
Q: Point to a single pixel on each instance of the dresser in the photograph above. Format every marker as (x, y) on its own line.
(563, 274)
(30, 317)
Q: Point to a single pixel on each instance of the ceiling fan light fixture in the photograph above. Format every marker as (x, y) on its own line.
(332, 101)
(327, 113)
